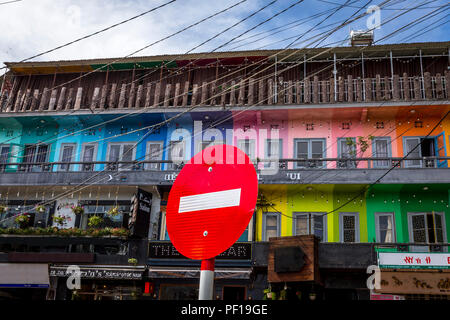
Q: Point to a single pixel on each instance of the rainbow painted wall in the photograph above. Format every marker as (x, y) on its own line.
(328, 124)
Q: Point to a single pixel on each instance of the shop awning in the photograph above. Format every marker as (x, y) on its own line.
(177, 272)
(20, 275)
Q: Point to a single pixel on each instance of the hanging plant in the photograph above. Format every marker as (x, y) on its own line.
(78, 209)
(132, 261)
(23, 220)
(95, 221)
(40, 209)
(61, 220)
(114, 211)
(3, 209)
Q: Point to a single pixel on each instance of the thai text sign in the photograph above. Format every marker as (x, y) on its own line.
(414, 260)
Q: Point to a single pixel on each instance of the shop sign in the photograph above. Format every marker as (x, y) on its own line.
(414, 282)
(410, 260)
(166, 250)
(95, 273)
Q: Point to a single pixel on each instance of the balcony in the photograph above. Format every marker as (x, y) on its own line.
(235, 93)
(71, 250)
(283, 171)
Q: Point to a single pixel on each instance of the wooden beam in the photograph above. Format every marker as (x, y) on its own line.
(251, 91)
(139, 96)
(396, 87)
(406, 89)
(62, 97)
(53, 97)
(427, 85)
(167, 95)
(78, 98)
(112, 96)
(95, 98)
(350, 88)
(69, 99)
(122, 96)
(103, 96)
(43, 99)
(176, 97)
(132, 96)
(148, 95)
(185, 94)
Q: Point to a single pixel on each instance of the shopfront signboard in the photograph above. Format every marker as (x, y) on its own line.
(411, 260)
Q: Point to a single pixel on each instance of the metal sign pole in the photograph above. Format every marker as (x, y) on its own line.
(206, 280)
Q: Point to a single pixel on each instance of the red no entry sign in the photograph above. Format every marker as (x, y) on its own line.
(211, 202)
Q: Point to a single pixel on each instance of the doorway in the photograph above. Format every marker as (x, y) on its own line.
(234, 293)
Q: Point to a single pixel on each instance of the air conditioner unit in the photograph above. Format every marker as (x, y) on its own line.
(361, 38)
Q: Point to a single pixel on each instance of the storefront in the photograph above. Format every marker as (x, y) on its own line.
(414, 276)
(23, 281)
(174, 277)
(99, 283)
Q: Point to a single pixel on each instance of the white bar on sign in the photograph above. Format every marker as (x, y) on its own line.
(212, 200)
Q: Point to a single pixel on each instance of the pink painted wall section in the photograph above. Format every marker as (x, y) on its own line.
(334, 123)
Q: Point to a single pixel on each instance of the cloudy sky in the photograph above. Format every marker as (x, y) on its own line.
(29, 27)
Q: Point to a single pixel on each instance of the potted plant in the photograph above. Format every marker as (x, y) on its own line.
(133, 261)
(95, 221)
(3, 209)
(61, 220)
(114, 211)
(78, 209)
(40, 209)
(23, 220)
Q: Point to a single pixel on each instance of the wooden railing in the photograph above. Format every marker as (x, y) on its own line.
(232, 93)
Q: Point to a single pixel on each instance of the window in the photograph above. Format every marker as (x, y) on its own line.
(274, 151)
(347, 150)
(313, 223)
(202, 145)
(35, 154)
(385, 227)
(89, 154)
(248, 146)
(121, 152)
(101, 210)
(426, 228)
(381, 148)
(154, 153)
(176, 153)
(309, 149)
(411, 146)
(67, 155)
(4, 156)
(349, 227)
(271, 226)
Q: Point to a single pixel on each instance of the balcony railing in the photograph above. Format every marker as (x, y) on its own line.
(238, 92)
(260, 164)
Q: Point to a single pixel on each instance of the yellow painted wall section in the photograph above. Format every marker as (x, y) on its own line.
(315, 198)
(277, 195)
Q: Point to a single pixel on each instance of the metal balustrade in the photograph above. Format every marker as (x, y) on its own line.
(283, 164)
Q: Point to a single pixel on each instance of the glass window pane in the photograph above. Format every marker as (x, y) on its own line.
(271, 221)
(318, 226)
(114, 153)
(317, 149)
(301, 225)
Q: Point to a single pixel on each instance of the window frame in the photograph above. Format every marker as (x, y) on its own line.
(374, 151)
(347, 163)
(411, 235)
(264, 224)
(72, 157)
(160, 156)
(121, 144)
(309, 141)
(377, 215)
(252, 146)
(341, 226)
(94, 157)
(309, 215)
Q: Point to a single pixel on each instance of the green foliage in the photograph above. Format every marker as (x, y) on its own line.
(72, 232)
(78, 209)
(95, 221)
